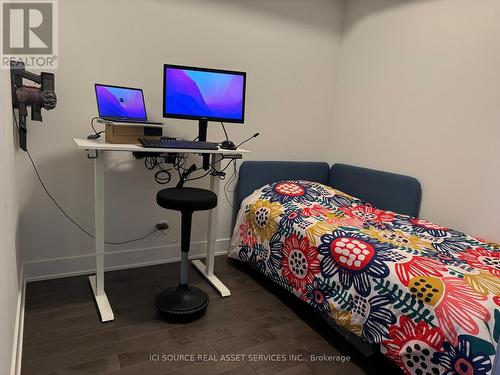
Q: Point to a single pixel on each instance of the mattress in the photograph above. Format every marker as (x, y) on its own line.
(427, 294)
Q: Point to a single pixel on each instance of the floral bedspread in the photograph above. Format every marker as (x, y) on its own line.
(429, 295)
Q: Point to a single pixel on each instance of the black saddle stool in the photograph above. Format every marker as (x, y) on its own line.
(184, 301)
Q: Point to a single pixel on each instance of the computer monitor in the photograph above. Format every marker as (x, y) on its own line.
(118, 102)
(204, 95)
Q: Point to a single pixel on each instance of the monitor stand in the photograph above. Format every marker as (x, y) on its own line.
(202, 137)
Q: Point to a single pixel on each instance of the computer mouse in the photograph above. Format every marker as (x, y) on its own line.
(228, 145)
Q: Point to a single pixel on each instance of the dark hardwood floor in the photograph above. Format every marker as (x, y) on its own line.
(63, 335)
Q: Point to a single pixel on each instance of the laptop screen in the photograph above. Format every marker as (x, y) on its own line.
(120, 102)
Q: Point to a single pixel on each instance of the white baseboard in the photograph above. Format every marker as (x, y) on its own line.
(17, 346)
(120, 259)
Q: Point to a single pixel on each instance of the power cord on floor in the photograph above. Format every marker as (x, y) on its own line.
(64, 212)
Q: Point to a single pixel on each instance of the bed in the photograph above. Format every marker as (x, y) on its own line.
(348, 241)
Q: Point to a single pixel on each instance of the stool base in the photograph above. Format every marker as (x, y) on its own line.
(183, 301)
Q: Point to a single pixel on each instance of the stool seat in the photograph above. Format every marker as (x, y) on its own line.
(186, 199)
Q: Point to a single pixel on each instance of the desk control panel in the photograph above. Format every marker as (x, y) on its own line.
(232, 156)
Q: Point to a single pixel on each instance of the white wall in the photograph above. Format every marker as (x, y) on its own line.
(419, 93)
(413, 88)
(287, 47)
(9, 264)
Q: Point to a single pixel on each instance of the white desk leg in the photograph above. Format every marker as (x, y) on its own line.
(97, 280)
(207, 269)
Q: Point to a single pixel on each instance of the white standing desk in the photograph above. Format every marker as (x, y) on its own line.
(99, 147)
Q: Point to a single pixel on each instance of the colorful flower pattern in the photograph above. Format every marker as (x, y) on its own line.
(483, 259)
(300, 262)
(462, 360)
(412, 346)
(427, 294)
(356, 258)
(318, 295)
(261, 218)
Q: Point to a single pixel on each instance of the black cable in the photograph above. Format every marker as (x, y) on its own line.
(163, 180)
(96, 134)
(225, 132)
(53, 199)
(132, 240)
(227, 185)
(92, 124)
(211, 170)
(178, 166)
(62, 210)
(226, 167)
(197, 178)
(149, 163)
(236, 176)
(246, 140)
(229, 182)
(163, 176)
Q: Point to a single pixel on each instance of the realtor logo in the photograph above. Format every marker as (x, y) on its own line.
(29, 33)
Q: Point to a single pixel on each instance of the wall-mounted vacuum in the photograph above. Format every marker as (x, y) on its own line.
(30, 96)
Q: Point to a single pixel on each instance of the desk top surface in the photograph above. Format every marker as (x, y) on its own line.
(100, 145)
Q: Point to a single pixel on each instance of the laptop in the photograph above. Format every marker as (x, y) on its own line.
(122, 104)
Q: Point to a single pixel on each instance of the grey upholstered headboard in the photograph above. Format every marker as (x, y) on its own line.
(385, 190)
(389, 191)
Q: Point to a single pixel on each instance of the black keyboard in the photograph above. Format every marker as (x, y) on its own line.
(176, 143)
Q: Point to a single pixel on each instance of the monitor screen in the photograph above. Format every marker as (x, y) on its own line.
(120, 102)
(197, 93)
